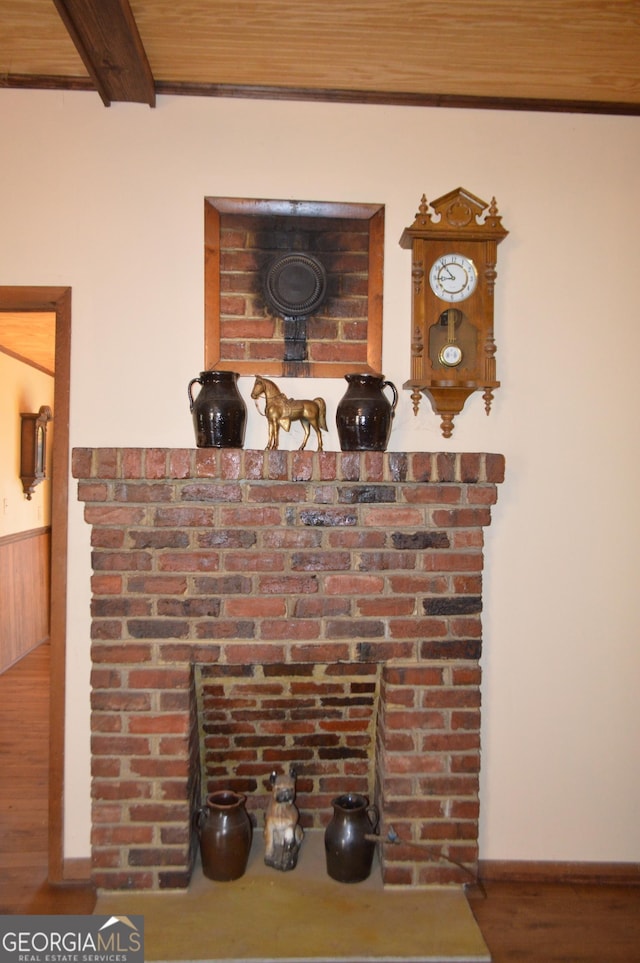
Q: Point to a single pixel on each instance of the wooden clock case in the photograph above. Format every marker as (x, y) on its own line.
(460, 228)
(33, 448)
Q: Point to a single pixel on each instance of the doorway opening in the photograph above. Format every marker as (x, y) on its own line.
(57, 300)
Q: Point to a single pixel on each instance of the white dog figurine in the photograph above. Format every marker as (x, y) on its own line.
(282, 832)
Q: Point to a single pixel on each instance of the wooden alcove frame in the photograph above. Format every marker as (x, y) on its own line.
(373, 214)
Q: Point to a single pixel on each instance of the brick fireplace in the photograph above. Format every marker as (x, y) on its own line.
(257, 610)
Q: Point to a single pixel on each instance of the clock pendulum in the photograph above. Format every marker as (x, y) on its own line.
(450, 354)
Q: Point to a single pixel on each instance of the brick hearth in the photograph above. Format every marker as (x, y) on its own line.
(254, 610)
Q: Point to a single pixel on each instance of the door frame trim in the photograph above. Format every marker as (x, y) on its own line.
(57, 300)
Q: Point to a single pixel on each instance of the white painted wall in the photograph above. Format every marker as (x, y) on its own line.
(111, 203)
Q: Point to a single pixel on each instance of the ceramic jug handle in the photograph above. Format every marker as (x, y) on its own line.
(374, 817)
(199, 819)
(390, 384)
(193, 382)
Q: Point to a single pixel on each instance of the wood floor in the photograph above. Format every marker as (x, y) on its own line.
(24, 743)
(520, 922)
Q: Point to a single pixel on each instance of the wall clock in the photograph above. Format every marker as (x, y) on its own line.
(33, 448)
(454, 255)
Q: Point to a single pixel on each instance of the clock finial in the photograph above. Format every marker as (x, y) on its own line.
(493, 219)
(423, 215)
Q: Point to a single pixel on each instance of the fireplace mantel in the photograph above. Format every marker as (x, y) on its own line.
(356, 575)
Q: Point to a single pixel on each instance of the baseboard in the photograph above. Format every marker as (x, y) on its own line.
(76, 870)
(534, 871)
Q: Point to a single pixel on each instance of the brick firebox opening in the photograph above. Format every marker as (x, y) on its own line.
(333, 599)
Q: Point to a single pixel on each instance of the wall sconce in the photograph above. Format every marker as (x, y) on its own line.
(33, 448)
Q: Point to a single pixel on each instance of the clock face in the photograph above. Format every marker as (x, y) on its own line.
(453, 277)
(450, 355)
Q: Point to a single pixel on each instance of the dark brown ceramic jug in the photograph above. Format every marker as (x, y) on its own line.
(364, 413)
(225, 832)
(347, 839)
(219, 412)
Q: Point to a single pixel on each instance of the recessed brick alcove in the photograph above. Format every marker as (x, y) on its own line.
(255, 610)
(245, 334)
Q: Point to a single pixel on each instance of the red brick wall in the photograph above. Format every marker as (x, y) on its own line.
(249, 330)
(318, 719)
(316, 592)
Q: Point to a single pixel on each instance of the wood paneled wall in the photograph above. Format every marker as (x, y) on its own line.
(25, 577)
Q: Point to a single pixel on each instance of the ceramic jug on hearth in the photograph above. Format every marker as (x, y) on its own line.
(225, 832)
(348, 840)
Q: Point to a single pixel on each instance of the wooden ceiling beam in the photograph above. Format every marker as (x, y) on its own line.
(106, 36)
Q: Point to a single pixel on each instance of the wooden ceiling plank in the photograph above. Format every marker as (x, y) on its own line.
(558, 55)
(107, 38)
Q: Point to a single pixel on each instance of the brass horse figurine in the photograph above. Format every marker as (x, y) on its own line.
(280, 411)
